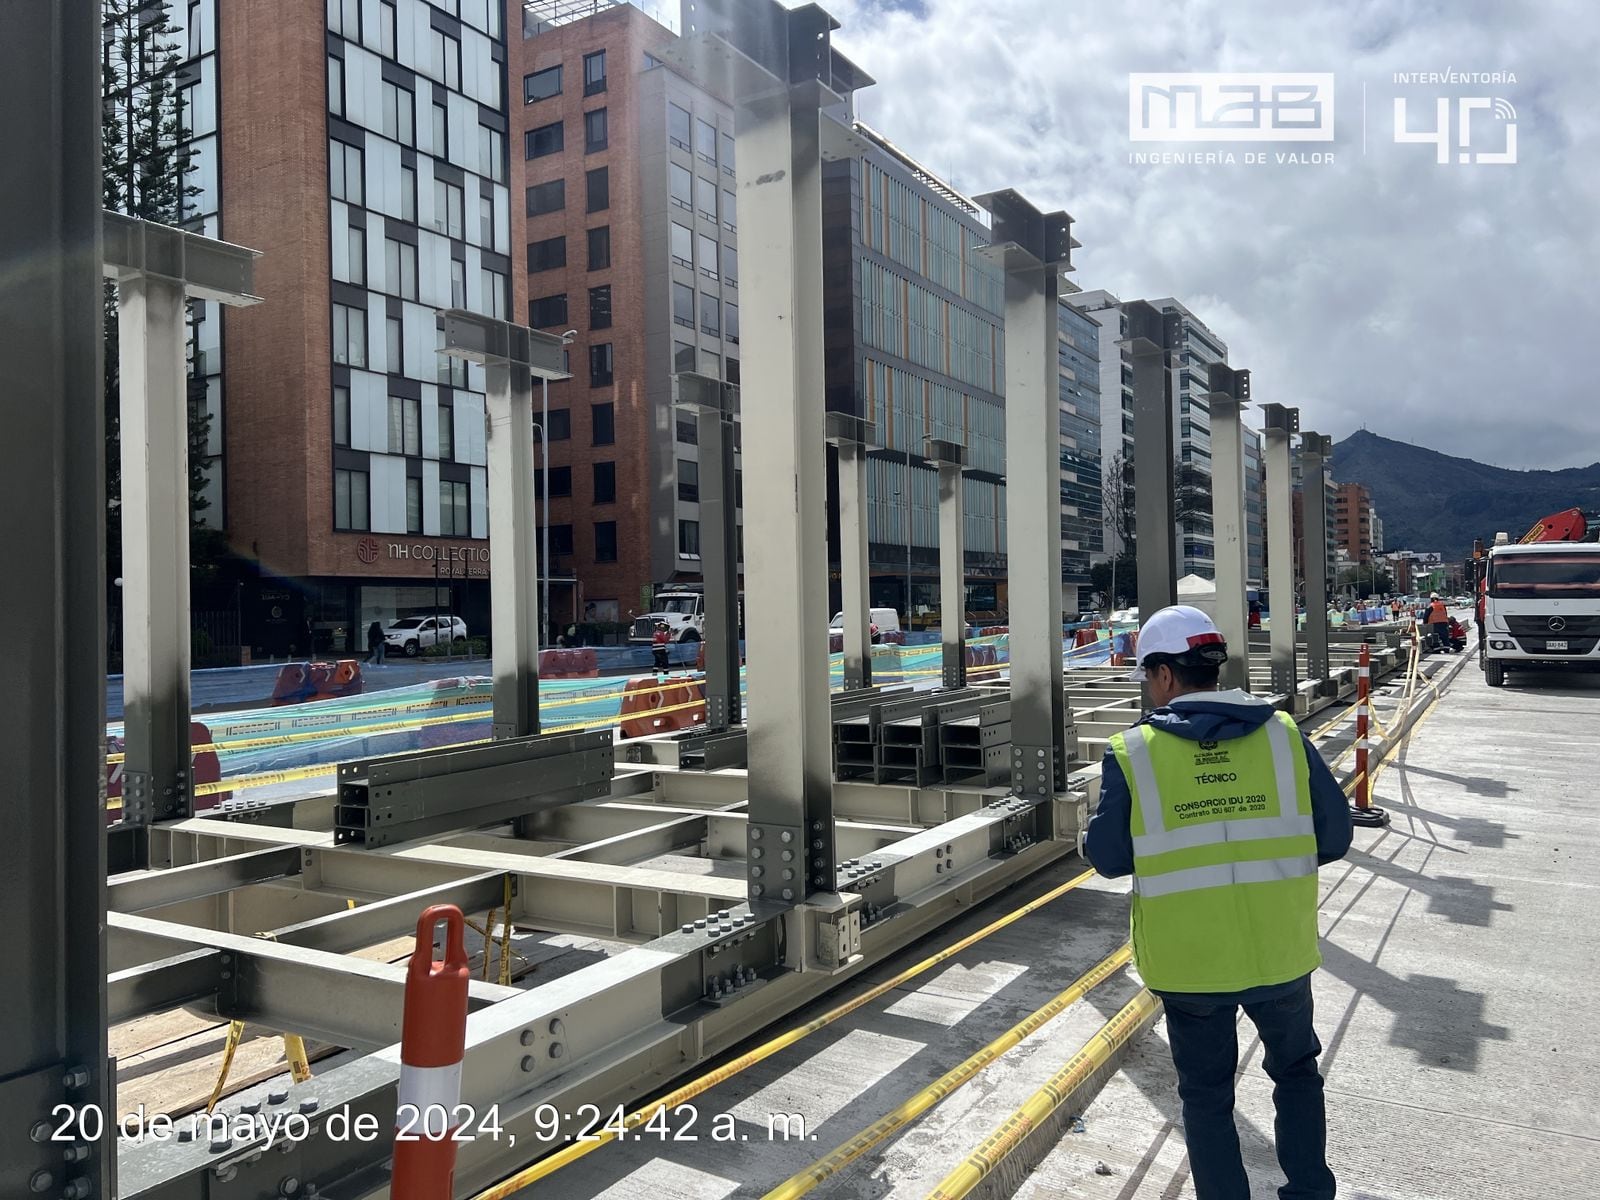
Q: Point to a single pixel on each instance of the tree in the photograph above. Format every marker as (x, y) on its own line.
(1368, 580)
(145, 165)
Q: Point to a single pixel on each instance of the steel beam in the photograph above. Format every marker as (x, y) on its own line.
(849, 436)
(1229, 393)
(1152, 337)
(52, 492)
(951, 458)
(146, 890)
(1280, 424)
(1314, 452)
(716, 407)
(1033, 248)
(512, 358)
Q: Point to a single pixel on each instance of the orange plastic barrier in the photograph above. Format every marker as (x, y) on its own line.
(654, 705)
(342, 678)
(294, 685)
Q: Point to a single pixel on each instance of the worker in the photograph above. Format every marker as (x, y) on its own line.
(659, 641)
(1221, 810)
(1438, 622)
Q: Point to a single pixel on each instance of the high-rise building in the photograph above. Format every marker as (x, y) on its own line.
(360, 146)
(1082, 493)
(1255, 509)
(1116, 410)
(1352, 521)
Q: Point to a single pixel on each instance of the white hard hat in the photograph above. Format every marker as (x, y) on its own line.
(1180, 632)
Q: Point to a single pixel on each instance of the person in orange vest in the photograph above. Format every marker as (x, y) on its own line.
(658, 646)
(1438, 622)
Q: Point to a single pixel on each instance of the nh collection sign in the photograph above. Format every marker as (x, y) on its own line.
(470, 560)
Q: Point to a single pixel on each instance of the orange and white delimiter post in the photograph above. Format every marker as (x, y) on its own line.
(433, 1041)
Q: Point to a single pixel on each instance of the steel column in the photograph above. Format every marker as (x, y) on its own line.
(716, 404)
(1034, 248)
(1314, 451)
(1152, 335)
(1280, 425)
(951, 458)
(512, 357)
(52, 490)
(1230, 392)
(847, 434)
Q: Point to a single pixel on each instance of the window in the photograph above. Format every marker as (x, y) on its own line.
(682, 181)
(560, 424)
(405, 426)
(688, 481)
(560, 539)
(493, 284)
(710, 364)
(600, 373)
(351, 507)
(605, 483)
(413, 504)
(730, 321)
(560, 482)
(400, 264)
(730, 214)
(594, 73)
(486, 222)
(345, 173)
(344, 18)
(491, 149)
(386, 28)
(708, 256)
(547, 139)
(357, 250)
(454, 509)
(336, 86)
(680, 242)
(605, 541)
(733, 370)
(708, 314)
(688, 432)
(600, 248)
(547, 310)
(541, 85)
(341, 416)
(449, 208)
(452, 371)
(594, 131)
(682, 356)
(547, 197)
(399, 114)
(603, 421)
(705, 141)
(706, 192)
(547, 255)
(349, 335)
(727, 153)
(678, 125)
(458, 283)
(447, 432)
(441, 132)
(689, 539)
(683, 304)
(730, 263)
(599, 185)
(394, 359)
(408, 194)
(446, 58)
(600, 307)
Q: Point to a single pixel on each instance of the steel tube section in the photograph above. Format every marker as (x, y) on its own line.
(1033, 248)
(715, 404)
(1152, 335)
(154, 889)
(1280, 425)
(512, 357)
(52, 490)
(1230, 392)
(1314, 451)
(952, 561)
(848, 436)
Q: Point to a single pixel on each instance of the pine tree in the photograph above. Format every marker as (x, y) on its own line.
(145, 165)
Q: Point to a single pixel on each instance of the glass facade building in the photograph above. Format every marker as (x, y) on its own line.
(1082, 504)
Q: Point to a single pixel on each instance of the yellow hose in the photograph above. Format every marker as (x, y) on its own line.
(572, 1152)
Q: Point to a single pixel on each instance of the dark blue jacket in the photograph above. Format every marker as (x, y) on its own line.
(1217, 716)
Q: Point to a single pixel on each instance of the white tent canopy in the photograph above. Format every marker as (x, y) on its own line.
(1200, 593)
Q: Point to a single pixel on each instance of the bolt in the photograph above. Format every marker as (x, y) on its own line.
(557, 1029)
(817, 863)
(938, 852)
(757, 852)
(557, 1049)
(757, 872)
(225, 1174)
(689, 928)
(221, 1143)
(722, 914)
(277, 1095)
(757, 890)
(817, 825)
(41, 1181)
(40, 1131)
(308, 1105)
(527, 1037)
(289, 1186)
(788, 873)
(816, 843)
(252, 1107)
(786, 836)
(711, 933)
(528, 1062)
(76, 1189)
(76, 1077)
(186, 1132)
(938, 867)
(788, 893)
(755, 833)
(788, 856)
(699, 922)
(820, 880)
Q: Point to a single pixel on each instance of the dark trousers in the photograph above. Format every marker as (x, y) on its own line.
(1205, 1049)
(660, 655)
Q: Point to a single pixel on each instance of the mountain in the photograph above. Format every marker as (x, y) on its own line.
(1431, 501)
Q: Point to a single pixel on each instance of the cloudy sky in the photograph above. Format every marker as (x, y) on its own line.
(1451, 305)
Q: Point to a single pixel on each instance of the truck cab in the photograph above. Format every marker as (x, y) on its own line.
(1542, 608)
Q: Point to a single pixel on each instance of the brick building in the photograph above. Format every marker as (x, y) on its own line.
(1353, 522)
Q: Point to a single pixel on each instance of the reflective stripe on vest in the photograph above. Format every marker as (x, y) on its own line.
(1259, 870)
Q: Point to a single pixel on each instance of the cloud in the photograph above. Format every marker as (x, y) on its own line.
(1451, 305)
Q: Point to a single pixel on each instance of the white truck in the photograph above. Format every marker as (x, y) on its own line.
(1541, 608)
(684, 611)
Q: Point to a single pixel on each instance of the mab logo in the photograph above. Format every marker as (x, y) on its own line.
(1230, 106)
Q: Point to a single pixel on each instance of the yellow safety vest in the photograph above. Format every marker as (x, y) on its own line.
(1224, 858)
